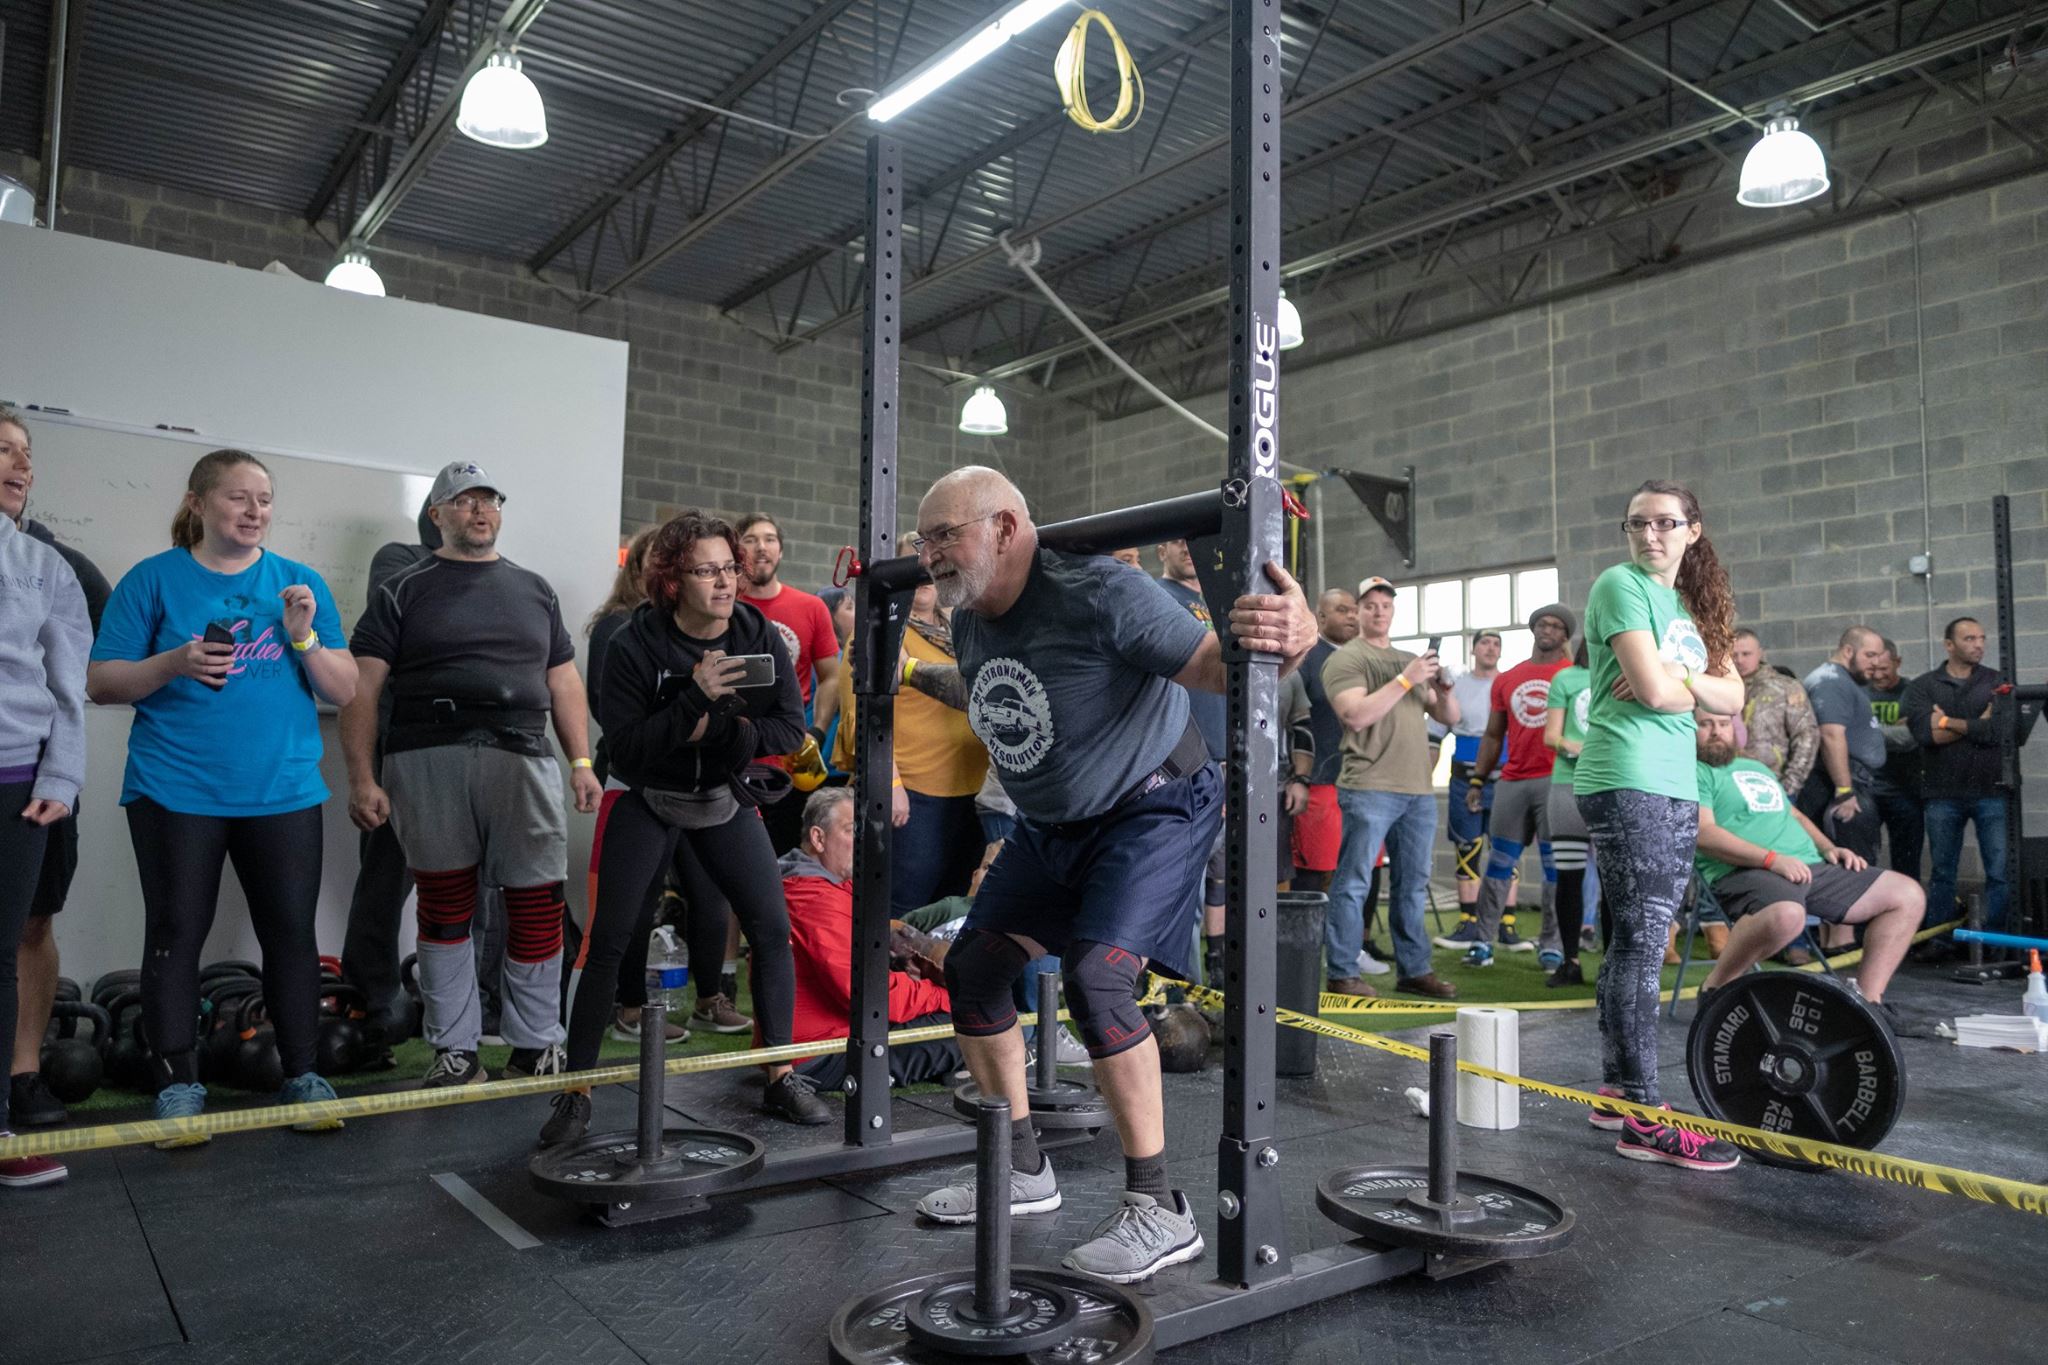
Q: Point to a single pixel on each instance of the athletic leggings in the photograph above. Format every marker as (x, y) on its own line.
(704, 922)
(1644, 844)
(1569, 849)
(277, 861)
(21, 867)
(734, 859)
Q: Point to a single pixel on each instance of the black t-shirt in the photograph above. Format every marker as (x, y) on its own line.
(479, 634)
(1968, 769)
(1209, 710)
(1901, 770)
(1322, 717)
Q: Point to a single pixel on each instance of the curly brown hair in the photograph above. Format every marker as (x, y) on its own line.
(671, 546)
(1702, 583)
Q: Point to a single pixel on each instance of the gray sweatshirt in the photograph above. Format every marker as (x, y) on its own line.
(45, 638)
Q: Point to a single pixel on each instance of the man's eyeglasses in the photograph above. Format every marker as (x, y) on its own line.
(470, 502)
(707, 572)
(945, 537)
(1663, 526)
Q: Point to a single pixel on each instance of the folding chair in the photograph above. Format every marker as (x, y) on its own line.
(1698, 892)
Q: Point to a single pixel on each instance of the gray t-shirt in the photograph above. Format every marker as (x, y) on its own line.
(1070, 688)
(1839, 699)
(1209, 709)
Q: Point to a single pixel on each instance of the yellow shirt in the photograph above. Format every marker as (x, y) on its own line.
(937, 754)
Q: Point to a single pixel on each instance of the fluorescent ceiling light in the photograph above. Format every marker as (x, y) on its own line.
(1785, 167)
(966, 53)
(1290, 323)
(983, 414)
(354, 273)
(501, 107)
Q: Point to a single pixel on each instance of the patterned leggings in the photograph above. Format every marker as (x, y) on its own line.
(1643, 844)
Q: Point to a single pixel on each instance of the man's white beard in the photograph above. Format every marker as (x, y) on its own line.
(965, 587)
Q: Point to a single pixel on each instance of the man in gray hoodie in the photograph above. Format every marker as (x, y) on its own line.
(45, 636)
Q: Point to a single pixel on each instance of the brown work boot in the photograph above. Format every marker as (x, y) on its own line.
(1351, 985)
(1717, 938)
(1428, 984)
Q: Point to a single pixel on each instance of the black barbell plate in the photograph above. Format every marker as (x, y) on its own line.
(1496, 1219)
(1799, 1054)
(605, 1168)
(1069, 1104)
(1040, 1315)
(1110, 1326)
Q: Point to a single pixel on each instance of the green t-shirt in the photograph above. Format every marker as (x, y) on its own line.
(1392, 754)
(1749, 802)
(1571, 693)
(1629, 746)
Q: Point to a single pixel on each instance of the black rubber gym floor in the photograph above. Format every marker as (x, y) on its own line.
(347, 1248)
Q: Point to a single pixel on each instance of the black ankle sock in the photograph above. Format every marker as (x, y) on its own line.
(1147, 1175)
(1212, 960)
(1024, 1157)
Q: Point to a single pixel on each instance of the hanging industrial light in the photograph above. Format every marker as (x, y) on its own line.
(501, 107)
(354, 273)
(1786, 166)
(983, 413)
(1290, 323)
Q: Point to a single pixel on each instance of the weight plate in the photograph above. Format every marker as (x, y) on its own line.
(605, 1168)
(1796, 1053)
(1038, 1315)
(1110, 1326)
(1070, 1104)
(1494, 1219)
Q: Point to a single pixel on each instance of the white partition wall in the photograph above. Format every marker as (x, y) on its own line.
(158, 358)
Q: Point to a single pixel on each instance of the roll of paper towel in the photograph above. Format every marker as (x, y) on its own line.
(1489, 1037)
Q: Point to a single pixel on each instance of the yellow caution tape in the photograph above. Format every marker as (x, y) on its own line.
(1987, 1189)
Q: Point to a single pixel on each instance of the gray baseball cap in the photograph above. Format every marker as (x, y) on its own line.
(459, 476)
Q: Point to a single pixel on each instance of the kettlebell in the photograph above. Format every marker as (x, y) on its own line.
(217, 1040)
(128, 1059)
(71, 1066)
(1183, 1037)
(341, 1047)
(257, 1066)
(113, 984)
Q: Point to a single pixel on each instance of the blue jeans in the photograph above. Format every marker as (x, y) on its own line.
(1946, 817)
(936, 852)
(1407, 825)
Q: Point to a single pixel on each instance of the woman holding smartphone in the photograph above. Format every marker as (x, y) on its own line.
(1659, 629)
(223, 647)
(696, 686)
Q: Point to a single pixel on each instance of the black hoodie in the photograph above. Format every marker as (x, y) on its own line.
(391, 557)
(651, 703)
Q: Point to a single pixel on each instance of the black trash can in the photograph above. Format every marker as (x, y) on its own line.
(1298, 962)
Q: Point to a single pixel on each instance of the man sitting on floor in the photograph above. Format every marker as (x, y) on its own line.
(1770, 868)
(817, 881)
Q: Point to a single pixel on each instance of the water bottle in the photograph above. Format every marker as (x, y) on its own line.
(668, 971)
(2035, 1002)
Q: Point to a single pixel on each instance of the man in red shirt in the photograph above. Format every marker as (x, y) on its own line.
(805, 625)
(817, 882)
(1521, 797)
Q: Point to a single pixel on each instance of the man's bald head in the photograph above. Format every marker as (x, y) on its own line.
(973, 490)
(977, 539)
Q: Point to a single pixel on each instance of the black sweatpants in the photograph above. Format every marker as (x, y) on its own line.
(277, 861)
(734, 859)
(912, 1064)
(21, 868)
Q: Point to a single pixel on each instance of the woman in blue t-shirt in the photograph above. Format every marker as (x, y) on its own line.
(222, 648)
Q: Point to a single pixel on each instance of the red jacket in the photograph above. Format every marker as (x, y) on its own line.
(821, 940)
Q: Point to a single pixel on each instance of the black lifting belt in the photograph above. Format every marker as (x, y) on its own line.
(463, 713)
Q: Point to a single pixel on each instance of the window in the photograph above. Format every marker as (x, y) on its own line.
(1458, 608)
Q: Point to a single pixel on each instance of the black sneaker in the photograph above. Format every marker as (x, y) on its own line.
(1641, 1141)
(570, 1121)
(537, 1061)
(1567, 974)
(30, 1101)
(794, 1099)
(453, 1068)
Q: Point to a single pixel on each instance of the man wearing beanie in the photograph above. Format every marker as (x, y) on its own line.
(1520, 799)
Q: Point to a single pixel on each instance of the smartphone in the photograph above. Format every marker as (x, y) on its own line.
(217, 634)
(1436, 642)
(760, 670)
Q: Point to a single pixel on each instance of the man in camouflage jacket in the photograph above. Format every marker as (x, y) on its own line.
(1783, 735)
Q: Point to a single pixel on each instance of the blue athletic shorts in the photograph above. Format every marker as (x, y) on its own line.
(1132, 879)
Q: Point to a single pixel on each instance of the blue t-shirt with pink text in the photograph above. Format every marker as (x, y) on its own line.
(253, 747)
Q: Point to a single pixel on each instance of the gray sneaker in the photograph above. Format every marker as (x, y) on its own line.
(1067, 1051)
(1139, 1240)
(1038, 1193)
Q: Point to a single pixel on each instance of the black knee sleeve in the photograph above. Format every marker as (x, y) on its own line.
(1102, 988)
(980, 969)
(1471, 861)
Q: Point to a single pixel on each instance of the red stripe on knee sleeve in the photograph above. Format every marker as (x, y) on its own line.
(447, 903)
(533, 922)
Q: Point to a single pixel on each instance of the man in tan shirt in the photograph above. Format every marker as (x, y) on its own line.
(1385, 698)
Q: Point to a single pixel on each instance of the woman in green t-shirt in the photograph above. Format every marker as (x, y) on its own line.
(1658, 633)
(1564, 731)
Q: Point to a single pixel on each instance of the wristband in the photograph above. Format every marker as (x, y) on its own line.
(1686, 681)
(1941, 722)
(1402, 678)
(1295, 777)
(909, 667)
(309, 644)
(1478, 782)
(1770, 856)
(581, 763)
(1845, 791)
(896, 783)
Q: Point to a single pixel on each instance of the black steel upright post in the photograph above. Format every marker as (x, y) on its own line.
(874, 673)
(1253, 1222)
(2008, 712)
